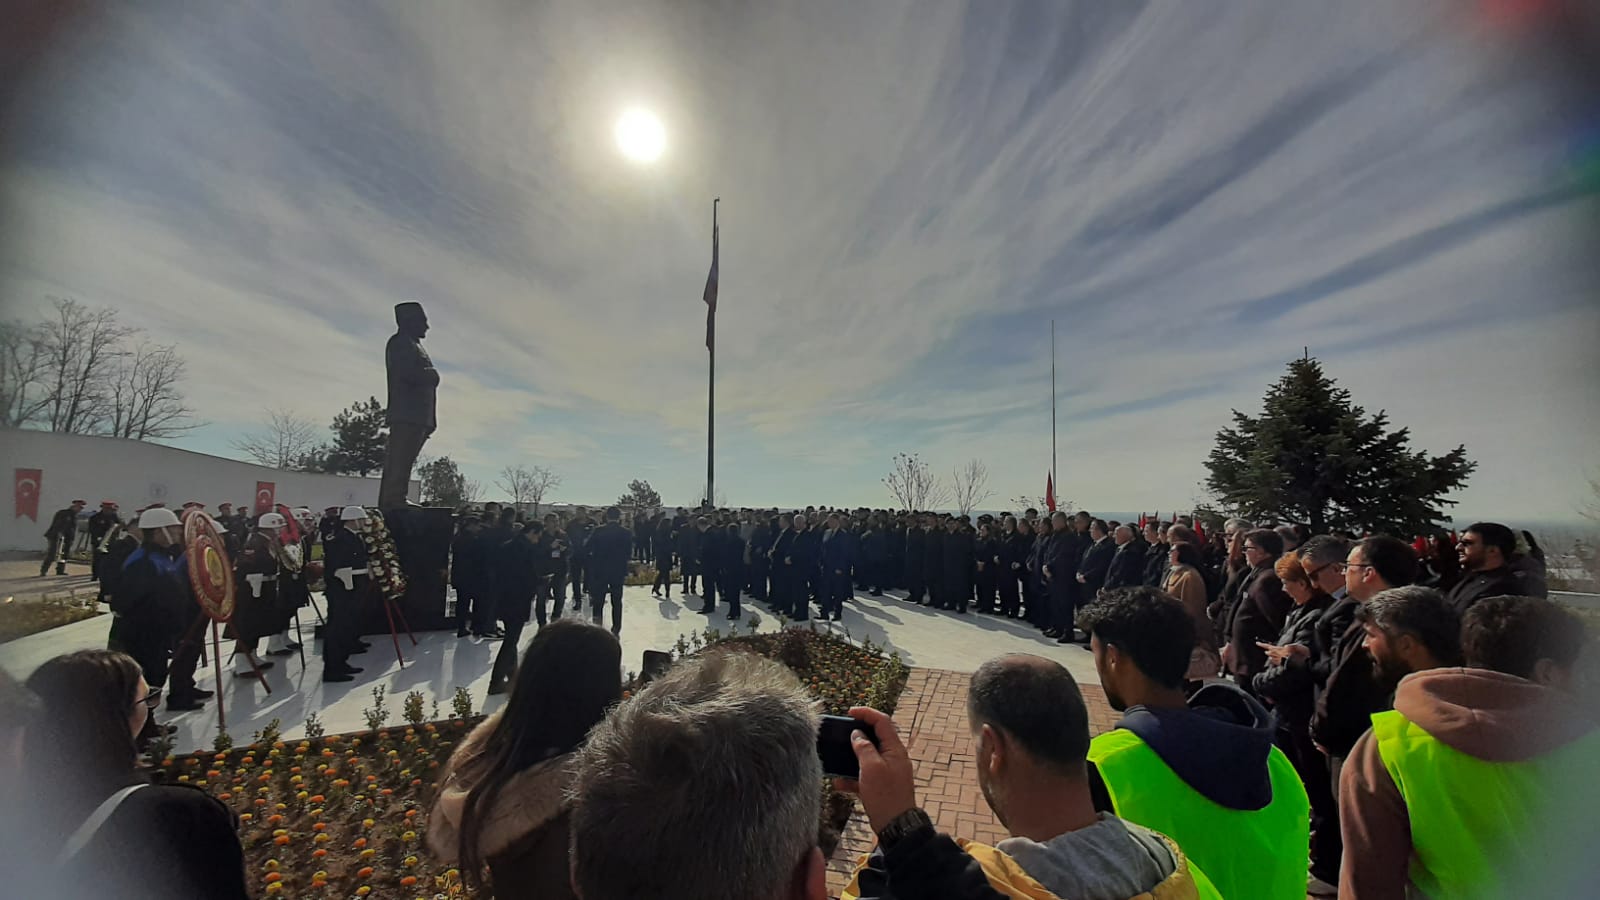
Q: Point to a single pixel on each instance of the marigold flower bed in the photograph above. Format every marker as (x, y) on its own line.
(345, 815)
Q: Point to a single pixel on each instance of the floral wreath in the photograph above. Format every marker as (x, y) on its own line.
(383, 560)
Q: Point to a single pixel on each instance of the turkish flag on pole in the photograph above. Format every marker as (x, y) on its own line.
(1050, 492)
(265, 491)
(25, 485)
(1199, 532)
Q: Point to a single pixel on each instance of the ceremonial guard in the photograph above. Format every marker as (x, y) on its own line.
(59, 536)
(344, 557)
(256, 614)
(101, 524)
(151, 607)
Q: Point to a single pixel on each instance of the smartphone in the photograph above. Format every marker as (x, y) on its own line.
(833, 745)
(656, 663)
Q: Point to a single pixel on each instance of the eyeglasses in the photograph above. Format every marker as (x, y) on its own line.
(1345, 567)
(152, 700)
(1252, 547)
(1312, 575)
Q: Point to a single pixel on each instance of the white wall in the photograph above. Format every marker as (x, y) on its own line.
(137, 473)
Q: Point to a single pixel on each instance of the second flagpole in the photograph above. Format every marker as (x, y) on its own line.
(711, 381)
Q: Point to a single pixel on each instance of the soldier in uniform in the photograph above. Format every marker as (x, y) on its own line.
(101, 525)
(63, 529)
(344, 556)
(151, 607)
(256, 613)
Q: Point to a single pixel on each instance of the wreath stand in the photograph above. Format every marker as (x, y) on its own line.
(392, 610)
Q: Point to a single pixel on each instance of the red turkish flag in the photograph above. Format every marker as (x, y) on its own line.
(1050, 491)
(25, 485)
(265, 492)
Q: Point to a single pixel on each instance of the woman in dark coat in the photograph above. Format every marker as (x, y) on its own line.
(502, 801)
(1011, 564)
(98, 827)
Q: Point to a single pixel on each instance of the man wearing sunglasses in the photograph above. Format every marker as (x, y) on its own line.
(1486, 550)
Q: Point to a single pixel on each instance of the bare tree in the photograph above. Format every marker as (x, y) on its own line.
(80, 348)
(913, 483)
(146, 401)
(283, 443)
(971, 485)
(1039, 503)
(528, 485)
(471, 489)
(22, 391)
(720, 501)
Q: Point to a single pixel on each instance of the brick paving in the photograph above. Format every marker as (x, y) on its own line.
(932, 716)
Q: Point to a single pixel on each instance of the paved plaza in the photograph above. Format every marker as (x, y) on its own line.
(441, 662)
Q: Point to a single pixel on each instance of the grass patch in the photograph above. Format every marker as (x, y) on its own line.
(20, 618)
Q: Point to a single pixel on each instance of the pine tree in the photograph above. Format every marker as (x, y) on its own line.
(1312, 456)
(360, 437)
(640, 495)
(442, 482)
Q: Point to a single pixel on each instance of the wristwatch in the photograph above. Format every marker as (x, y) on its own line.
(902, 825)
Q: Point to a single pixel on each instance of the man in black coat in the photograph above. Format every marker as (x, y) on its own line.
(1257, 616)
(756, 549)
(490, 540)
(782, 570)
(1486, 549)
(916, 560)
(467, 572)
(713, 557)
(1096, 563)
(578, 532)
(1011, 566)
(1127, 563)
(874, 546)
(608, 565)
(732, 570)
(838, 557)
(805, 564)
(1060, 566)
(59, 537)
(1156, 555)
(957, 557)
(663, 542)
(690, 538)
(933, 559)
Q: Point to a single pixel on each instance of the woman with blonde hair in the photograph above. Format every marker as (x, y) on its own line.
(1185, 582)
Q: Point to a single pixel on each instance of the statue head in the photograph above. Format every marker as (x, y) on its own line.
(412, 320)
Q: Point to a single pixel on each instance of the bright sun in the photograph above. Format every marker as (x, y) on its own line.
(640, 136)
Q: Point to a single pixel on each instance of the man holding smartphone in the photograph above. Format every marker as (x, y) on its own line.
(1030, 729)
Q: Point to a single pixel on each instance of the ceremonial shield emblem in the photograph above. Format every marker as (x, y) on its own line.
(210, 570)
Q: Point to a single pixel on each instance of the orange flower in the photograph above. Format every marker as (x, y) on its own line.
(364, 872)
(318, 853)
(408, 881)
(281, 839)
(274, 876)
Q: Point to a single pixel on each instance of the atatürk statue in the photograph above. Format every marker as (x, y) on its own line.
(413, 383)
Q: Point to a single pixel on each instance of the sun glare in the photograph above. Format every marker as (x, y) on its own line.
(640, 136)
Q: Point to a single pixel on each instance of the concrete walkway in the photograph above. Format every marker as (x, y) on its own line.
(442, 662)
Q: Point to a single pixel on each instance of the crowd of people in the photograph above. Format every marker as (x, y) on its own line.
(1367, 716)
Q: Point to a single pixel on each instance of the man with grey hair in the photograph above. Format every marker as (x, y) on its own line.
(704, 785)
(1233, 526)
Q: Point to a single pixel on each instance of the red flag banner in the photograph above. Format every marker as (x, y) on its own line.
(265, 492)
(1050, 491)
(1199, 532)
(25, 486)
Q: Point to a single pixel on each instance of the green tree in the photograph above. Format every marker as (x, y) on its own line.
(640, 495)
(442, 482)
(1312, 456)
(360, 435)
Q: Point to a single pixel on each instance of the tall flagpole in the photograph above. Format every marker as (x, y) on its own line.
(711, 386)
(1053, 479)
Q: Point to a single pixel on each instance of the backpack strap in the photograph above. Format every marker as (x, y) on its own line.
(92, 825)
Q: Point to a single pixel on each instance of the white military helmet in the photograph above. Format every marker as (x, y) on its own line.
(353, 513)
(158, 517)
(271, 520)
(303, 514)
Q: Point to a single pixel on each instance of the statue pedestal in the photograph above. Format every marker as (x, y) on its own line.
(422, 536)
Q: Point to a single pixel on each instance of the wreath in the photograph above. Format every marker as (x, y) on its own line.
(383, 560)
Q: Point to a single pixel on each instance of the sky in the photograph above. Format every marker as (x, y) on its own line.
(1194, 193)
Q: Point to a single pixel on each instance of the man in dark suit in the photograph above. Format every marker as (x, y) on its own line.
(608, 552)
(1127, 564)
(344, 557)
(1061, 558)
(916, 543)
(413, 385)
(781, 567)
(1096, 564)
(956, 561)
(100, 525)
(805, 563)
(932, 559)
(1257, 616)
(712, 559)
(59, 536)
(838, 557)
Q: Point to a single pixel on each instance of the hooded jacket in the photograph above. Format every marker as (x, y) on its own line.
(1110, 860)
(1218, 746)
(1488, 716)
(524, 832)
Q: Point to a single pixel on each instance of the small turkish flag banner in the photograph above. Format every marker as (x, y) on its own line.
(25, 484)
(265, 492)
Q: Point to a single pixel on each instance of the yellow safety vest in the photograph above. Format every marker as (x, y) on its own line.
(1482, 829)
(1247, 854)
